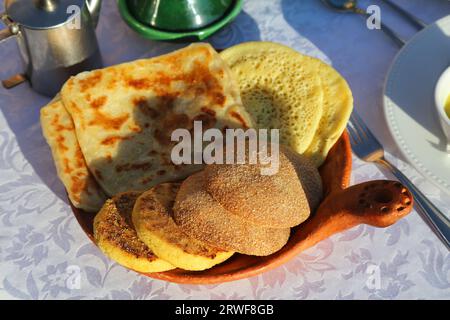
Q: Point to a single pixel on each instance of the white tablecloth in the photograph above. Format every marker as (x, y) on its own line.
(42, 247)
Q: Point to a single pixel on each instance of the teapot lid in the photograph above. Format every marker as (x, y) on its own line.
(43, 14)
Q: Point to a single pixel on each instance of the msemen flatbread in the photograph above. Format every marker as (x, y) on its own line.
(153, 220)
(124, 115)
(115, 235)
(58, 130)
(337, 107)
(280, 88)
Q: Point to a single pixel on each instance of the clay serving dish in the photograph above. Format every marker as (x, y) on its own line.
(377, 203)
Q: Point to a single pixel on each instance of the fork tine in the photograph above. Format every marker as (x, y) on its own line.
(353, 132)
(363, 141)
(358, 128)
(355, 141)
(352, 139)
(360, 123)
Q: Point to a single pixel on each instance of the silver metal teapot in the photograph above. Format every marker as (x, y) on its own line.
(56, 40)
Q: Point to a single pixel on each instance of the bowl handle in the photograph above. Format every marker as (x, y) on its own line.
(336, 170)
(379, 203)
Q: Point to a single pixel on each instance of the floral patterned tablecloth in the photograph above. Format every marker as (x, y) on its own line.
(44, 254)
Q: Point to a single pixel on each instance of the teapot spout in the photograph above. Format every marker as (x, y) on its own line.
(94, 9)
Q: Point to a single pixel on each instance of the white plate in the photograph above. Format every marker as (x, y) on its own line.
(409, 102)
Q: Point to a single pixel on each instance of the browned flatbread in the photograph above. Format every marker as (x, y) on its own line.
(117, 238)
(153, 220)
(205, 219)
(59, 131)
(124, 115)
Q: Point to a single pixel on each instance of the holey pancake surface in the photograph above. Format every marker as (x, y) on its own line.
(153, 220)
(280, 88)
(116, 237)
(337, 107)
(124, 115)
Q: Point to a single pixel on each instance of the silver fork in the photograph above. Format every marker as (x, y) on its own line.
(367, 148)
(411, 18)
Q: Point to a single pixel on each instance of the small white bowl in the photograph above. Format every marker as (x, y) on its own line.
(441, 94)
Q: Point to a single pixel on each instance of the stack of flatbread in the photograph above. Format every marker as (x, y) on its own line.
(110, 130)
(307, 99)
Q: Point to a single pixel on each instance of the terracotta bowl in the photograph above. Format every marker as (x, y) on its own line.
(378, 203)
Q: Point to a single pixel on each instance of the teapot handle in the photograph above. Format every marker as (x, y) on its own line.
(5, 34)
(10, 31)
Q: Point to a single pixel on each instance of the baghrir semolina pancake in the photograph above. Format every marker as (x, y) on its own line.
(59, 131)
(124, 115)
(200, 216)
(261, 91)
(153, 220)
(116, 237)
(273, 201)
(337, 108)
(280, 88)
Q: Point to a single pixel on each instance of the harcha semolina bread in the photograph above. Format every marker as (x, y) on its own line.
(199, 215)
(275, 201)
(117, 238)
(153, 220)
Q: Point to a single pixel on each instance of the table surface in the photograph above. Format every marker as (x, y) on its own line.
(44, 254)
